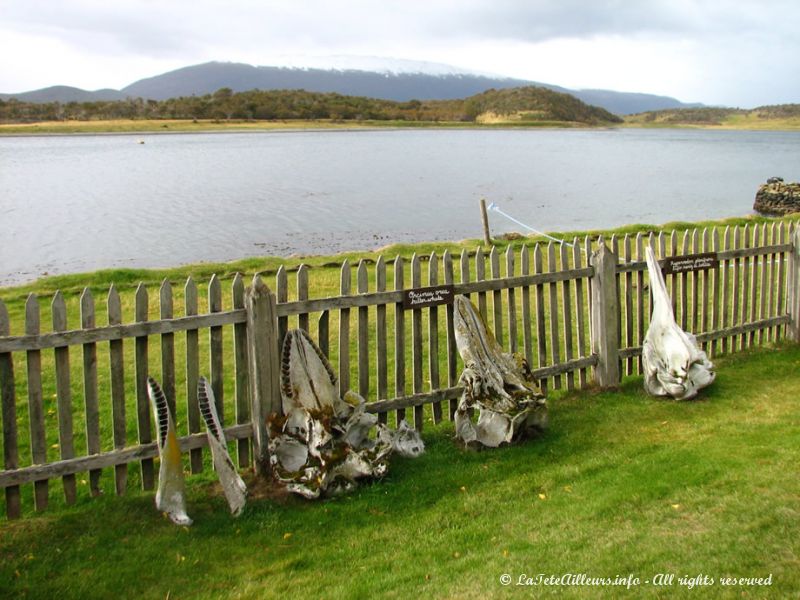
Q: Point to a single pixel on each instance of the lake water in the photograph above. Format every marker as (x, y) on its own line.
(77, 203)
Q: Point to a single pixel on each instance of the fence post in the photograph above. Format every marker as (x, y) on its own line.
(793, 302)
(263, 353)
(605, 317)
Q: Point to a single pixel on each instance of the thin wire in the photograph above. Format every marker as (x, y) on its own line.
(493, 206)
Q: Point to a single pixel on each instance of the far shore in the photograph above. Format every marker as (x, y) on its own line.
(172, 126)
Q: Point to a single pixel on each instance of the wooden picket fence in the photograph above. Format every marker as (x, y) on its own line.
(578, 312)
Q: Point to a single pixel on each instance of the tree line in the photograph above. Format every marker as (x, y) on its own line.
(224, 104)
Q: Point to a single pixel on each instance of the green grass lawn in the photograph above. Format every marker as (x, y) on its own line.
(621, 484)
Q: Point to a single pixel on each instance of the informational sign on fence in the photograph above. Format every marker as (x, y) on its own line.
(428, 296)
(690, 262)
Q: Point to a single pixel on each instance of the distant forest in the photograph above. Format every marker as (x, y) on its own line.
(526, 103)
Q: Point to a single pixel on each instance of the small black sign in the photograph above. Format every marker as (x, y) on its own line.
(429, 296)
(691, 262)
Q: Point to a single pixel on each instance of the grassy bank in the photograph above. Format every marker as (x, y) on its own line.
(122, 126)
(621, 484)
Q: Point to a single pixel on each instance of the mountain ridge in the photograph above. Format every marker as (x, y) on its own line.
(206, 78)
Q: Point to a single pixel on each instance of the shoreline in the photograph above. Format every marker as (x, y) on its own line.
(163, 127)
(269, 264)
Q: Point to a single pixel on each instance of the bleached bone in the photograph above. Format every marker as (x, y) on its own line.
(232, 485)
(500, 385)
(673, 363)
(324, 442)
(171, 489)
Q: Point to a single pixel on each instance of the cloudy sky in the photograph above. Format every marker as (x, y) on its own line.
(731, 52)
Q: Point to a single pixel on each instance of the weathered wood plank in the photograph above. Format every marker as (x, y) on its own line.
(480, 276)
(416, 343)
(540, 316)
(265, 366)
(381, 346)
(36, 401)
(497, 300)
(627, 257)
(527, 338)
(581, 319)
(746, 284)
(115, 458)
(282, 297)
(141, 365)
(452, 349)
(117, 365)
(77, 337)
(302, 296)
(640, 298)
(782, 260)
(725, 299)
(8, 399)
(773, 278)
(755, 285)
(91, 401)
(324, 333)
(362, 287)
(555, 346)
(684, 286)
(215, 346)
(433, 337)
(716, 322)
(242, 371)
(192, 372)
(723, 333)
(66, 442)
(737, 285)
(344, 330)
(399, 339)
(166, 310)
(706, 279)
(605, 318)
(566, 304)
(511, 298)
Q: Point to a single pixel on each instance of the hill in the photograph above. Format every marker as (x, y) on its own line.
(527, 106)
(400, 86)
(782, 116)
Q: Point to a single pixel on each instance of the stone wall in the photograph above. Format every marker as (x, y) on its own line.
(778, 198)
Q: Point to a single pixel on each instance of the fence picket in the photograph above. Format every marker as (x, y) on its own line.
(581, 320)
(192, 373)
(497, 299)
(782, 258)
(566, 306)
(684, 285)
(302, 294)
(399, 340)
(452, 350)
(66, 443)
(538, 269)
(727, 275)
(8, 397)
(91, 401)
(763, 290)
(416, 343)
(737, 287)
(117, 365)
(527, 342)
(628, 303)
(433, 337)
(382, 371)
(480, 275)
(511, 298)
(344, 330)
(716, 309)
(142, 400)
(773, 277)
(36, 402)
(363, 331)
(282, 295)
(640, 298)
(242, 370)
(555, 346)
(167, 345)
(747, 267)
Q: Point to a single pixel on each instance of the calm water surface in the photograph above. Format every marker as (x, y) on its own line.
(77, 203)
